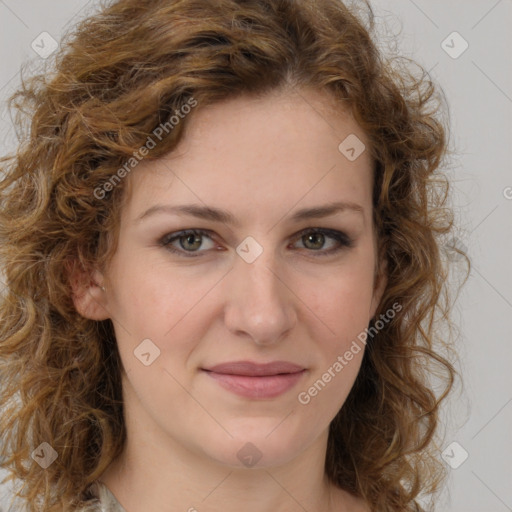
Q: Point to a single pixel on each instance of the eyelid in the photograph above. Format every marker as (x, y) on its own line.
(341, 236)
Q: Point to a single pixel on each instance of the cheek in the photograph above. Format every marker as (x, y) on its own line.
(341, 298)
(343, 310)
(170, 307)
(154, 296)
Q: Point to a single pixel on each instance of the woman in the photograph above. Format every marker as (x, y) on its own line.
(222, 251)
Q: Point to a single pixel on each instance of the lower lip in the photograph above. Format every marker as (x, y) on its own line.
(268, 386)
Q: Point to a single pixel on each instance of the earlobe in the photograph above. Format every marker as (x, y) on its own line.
(88, 292)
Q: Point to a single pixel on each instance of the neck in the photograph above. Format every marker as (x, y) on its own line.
(157, 472)
(144, 481)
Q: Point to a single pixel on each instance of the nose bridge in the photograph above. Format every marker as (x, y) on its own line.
(259, 304)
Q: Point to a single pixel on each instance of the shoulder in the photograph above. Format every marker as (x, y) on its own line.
(9, 501)
(102, 500)
(99, 498)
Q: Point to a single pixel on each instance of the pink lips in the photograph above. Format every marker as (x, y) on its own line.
(253, 380)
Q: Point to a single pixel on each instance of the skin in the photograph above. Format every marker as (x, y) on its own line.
(262, 160)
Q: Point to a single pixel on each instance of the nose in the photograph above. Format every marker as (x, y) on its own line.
(260, 306)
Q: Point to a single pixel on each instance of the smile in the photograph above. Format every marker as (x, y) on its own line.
(256, 381)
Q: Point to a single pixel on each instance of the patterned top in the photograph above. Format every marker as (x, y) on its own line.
(97, 498)
(104, 500)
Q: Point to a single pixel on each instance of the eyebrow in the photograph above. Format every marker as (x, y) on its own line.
(219, 215)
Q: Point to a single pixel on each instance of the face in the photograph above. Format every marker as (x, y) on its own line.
(267, 276)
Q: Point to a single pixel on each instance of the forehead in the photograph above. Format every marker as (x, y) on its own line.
(257, 155)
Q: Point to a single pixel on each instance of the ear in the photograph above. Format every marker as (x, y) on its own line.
(379, 285)
(89, 298)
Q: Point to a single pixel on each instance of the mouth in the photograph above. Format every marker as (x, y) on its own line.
(254, 380)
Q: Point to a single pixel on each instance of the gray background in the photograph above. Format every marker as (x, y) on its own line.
(478, 87)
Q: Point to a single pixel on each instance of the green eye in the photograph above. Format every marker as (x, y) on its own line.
(315, 238)
(188, 243)
(192, 242)
(189, 240)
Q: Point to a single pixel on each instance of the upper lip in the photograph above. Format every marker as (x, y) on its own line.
(250, 368)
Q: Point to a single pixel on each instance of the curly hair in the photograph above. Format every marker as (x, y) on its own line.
(118, 75)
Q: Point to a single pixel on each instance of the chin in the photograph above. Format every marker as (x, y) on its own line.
(259, 445)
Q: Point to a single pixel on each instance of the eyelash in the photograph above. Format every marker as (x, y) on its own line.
(343, 239)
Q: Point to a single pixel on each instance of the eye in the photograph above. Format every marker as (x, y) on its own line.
(189, 241)
(315, 239)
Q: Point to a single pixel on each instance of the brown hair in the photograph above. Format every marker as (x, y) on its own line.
(120, 74)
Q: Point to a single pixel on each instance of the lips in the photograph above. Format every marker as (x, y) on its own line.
(255, 369)
(254, 380)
